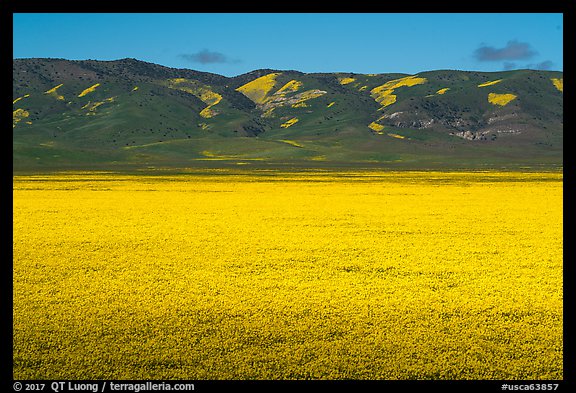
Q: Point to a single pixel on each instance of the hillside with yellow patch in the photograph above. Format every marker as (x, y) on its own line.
(133, 114)
(258, 89)
(289, 123)
(491, 83)
(20, 98)
(345, 81)
(558, 83)
(88, 90)
(288, 98)
(500, 99)
(54, 92)
(383, 94)
(291, 143)
(18, 115)
(376, 127)
(199, 90)
(290, 87)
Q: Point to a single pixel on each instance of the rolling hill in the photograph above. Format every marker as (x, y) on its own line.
(132, 114)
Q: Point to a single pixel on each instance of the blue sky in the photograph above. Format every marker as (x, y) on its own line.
(232, 44)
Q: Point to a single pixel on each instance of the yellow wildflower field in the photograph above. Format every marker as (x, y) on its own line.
(229, 274)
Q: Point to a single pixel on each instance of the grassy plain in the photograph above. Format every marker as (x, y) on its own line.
(309, 275)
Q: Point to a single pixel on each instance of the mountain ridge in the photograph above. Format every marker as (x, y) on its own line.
(78, 113)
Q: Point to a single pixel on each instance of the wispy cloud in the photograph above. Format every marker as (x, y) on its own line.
(514, 50)
(545, 65)
(206, 56)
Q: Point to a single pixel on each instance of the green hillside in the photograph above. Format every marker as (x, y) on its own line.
(128, 113)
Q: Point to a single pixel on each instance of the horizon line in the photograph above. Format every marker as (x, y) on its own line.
(283, 70)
